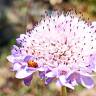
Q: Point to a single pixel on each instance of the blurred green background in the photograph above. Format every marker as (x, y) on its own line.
(17, 16)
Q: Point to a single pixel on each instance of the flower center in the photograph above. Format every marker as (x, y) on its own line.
(31, 63)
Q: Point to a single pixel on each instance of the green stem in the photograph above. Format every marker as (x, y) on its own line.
(63, 91)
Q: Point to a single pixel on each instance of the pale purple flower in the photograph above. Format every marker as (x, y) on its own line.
(62, 47)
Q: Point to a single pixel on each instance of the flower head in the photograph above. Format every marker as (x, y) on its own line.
(61, 46)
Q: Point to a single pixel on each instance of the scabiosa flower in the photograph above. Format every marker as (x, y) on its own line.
(62, 47)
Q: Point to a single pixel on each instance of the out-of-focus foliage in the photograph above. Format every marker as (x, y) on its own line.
(15, 17)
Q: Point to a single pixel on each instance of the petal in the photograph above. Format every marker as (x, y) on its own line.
(27, 80)
(42, 75)
(50, 74)
(62, 79)
(29, 57)
(84, 73)
(70, 75)
(92, 62)
(65, 83)
(10, 58)
(16, 67)
(74, 79)
(87, 81)
(40, 69)
(69, 85)
(48, 80)
(15, 50)
(58, 83)
(74, 83)
(23, 73)
(71, 78)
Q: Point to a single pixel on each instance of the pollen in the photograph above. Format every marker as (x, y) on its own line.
(33, 64)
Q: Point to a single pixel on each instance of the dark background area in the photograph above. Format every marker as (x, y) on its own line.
(17, 16)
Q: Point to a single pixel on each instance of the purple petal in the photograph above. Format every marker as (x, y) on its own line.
(42, 75)
(27, 58)
(74, 77)
(27, 80)
(65, 83)
(92, 62)
(87, 81)
(70, 77)
(48, 80)
(78, 79)
(15, 51)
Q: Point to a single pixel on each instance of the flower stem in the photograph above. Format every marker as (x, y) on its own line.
(63, 91)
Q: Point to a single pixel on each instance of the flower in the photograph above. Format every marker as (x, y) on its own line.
(62, 48)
